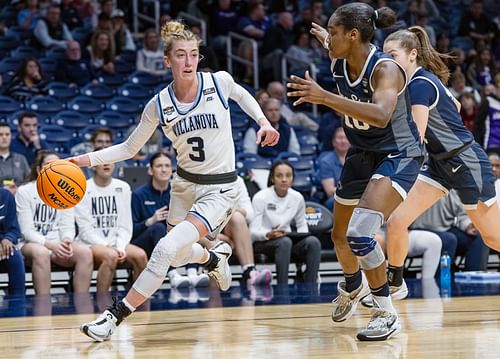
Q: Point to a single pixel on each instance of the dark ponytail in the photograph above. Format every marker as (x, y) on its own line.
(416, 38)
(364, 18)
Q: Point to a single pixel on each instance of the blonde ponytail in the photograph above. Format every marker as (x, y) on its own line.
(174, 30)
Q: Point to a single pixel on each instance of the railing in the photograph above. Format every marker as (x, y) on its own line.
(312, 71)
(138, 16)
(193, 19)
(232, 57)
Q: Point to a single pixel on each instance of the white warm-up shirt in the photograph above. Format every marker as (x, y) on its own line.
(39, 222)
(272, 212)
(104, 216)
(200, 131)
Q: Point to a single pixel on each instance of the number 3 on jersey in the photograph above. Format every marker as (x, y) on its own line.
(353, 123)
(198, 149)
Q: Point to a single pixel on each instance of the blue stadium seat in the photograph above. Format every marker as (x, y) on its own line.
(55, 53)
(80, 34)
(114, 80)
(45, 105)
(71, 120)
(57, 135)
(97, 91)
(302, 165)
(8, 43)
(308, 150)
(8, 105)
(136, 92)
(23, 52)
(18, 31)
(307, 138)
(123, 67)
(243, 156)
(302, 183)
(124, 105)
(9, 65)
(62, 90)
(144, 79)
(287, 156)
(86, 105)
(114, 120)
(49, 66)
(257, 163)
(129, 56)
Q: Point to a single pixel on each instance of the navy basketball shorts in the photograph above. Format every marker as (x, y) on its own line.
(469, 173)
(362, 166)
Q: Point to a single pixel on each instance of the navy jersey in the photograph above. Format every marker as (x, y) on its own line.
(445, 129)
(400, 135)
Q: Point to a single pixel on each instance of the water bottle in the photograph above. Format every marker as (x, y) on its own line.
(445, 275)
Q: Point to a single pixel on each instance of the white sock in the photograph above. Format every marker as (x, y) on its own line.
(192, 272)
(384, 303)
(128, 305)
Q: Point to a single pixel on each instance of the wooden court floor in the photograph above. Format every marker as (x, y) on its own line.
(464, 327)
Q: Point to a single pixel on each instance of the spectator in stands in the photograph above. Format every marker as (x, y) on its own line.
(149, 214)
(482, 70)
(494, 158)
(421, 243)
(13, 166)
(28, 82)
(457, 87)
(277, 90)
(11, 260)
(262, 96)
(150, 57)
(29, 16)
(106, 7)
(300, 55)
(288, 139)
(104, 222)
(73, 69)
(254, 25)
(468, 110)
(3, 30)
(330, 164)
(318, 15)
(50, 30)
(278, 38)
(87, 11)
(70, 15)
(487, 126)
(224, 19)
(476, 25)
(304, 22)
(237, 234)
(27, 142)
(102, 53)
(456, 62)
(443, 43)
(422, 18)
(122, 35)
(47, 235)
(208, 59)
(448, 219)
(277, 208)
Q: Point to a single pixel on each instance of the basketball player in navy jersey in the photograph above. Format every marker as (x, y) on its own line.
(455, 159)
(382, 164)
(193, 112)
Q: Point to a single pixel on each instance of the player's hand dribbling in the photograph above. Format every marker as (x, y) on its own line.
(308, 90)
(267, 135)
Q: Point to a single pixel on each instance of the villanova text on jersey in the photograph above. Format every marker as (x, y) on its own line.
(196, 122)
(44, 218)
(105, 213)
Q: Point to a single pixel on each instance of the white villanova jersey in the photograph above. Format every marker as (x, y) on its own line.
(201, 131)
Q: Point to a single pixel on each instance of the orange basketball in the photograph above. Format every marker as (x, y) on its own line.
(61, 184)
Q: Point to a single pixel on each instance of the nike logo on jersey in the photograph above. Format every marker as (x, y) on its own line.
(455, 169)
(393, 155)
(222, 191)
(172, 119)
(2, 206)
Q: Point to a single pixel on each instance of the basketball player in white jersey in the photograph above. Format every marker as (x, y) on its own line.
(193, 113)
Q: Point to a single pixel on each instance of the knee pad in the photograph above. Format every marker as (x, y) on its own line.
(363, 226)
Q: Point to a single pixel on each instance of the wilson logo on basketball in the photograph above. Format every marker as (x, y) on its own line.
(56, 201)
(62, 184)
